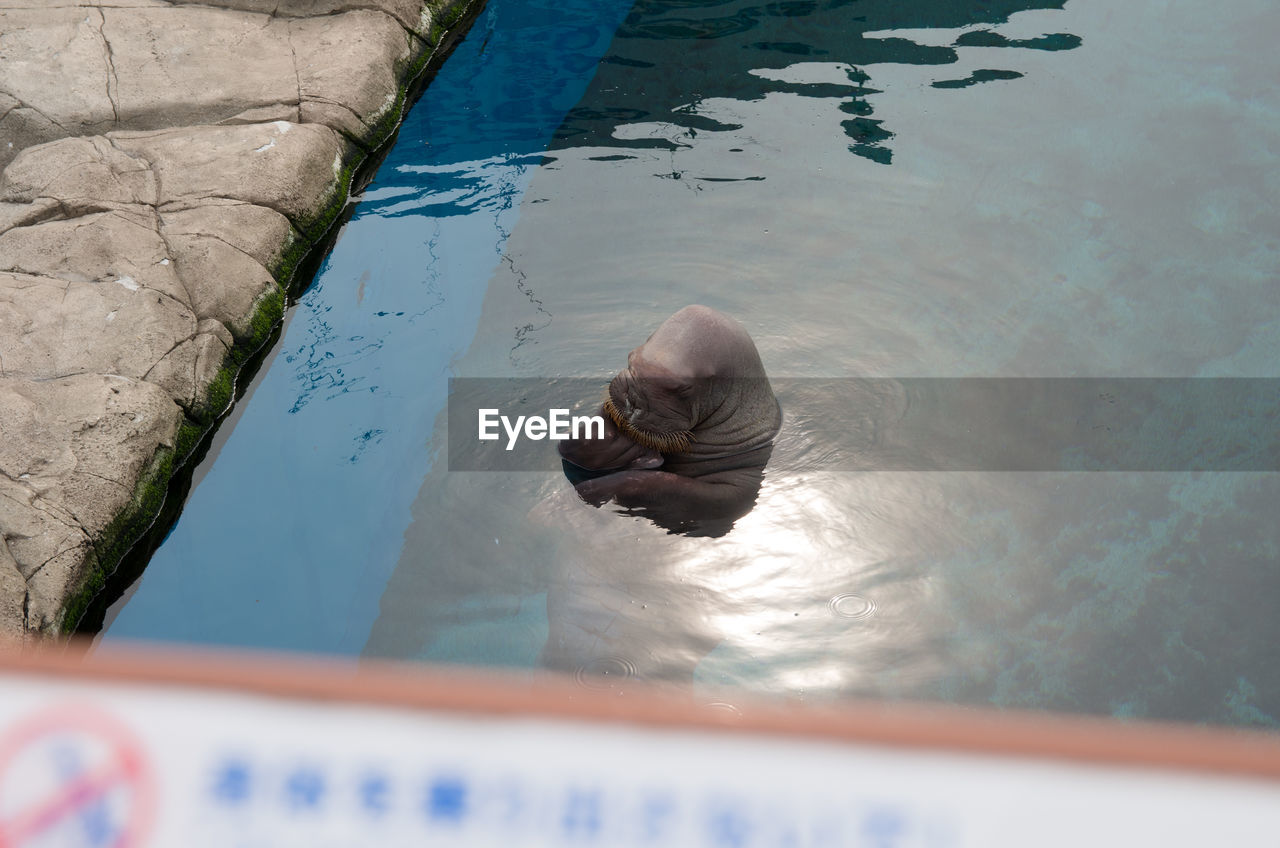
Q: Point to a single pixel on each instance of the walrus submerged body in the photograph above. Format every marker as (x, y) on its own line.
(691, 422)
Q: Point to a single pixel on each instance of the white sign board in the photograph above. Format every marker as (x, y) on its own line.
(116, 765)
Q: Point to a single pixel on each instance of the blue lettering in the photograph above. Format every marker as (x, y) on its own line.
(883, 827)
(447, 799)
(232, 782)
(304, 788)
(581, 814)
(98, 827)
(374, 790)
(656, 814)
(729, 827)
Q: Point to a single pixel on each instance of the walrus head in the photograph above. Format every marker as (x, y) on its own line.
(689, 428)
(696, 389)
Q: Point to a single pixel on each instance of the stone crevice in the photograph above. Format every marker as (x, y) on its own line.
(52, 377)
(178, 206)
(218, 238)
(41, 210)
(35, 280)
(105, 479)
(30, 576)
(15, 480)
(316, 98)
(176, 345)
(69, 374)
(111, 67)
(186, 204)
(46, 116)
(141, 160)
(54, 178)
(297, 74)
(146, 164)
(46, 276)
(169, 255)
(158, 221)
(158, 293)
(38, 503)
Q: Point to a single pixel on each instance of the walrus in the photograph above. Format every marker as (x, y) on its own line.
(690, 424)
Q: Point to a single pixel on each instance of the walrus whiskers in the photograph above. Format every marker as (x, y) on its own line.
(674, 442)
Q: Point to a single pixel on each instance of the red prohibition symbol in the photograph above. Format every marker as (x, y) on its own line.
(73, 777)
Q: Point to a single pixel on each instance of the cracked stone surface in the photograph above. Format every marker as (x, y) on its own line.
(153, 67)
(72, 449)
(159, 159)
(326, 47)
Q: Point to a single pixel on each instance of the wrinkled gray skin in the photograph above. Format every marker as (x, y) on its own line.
(698, 373)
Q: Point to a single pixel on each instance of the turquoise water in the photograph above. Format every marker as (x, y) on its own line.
(874, 190)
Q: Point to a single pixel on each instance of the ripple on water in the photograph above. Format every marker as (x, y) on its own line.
(852, 606)
(604, 672)
(723, 707)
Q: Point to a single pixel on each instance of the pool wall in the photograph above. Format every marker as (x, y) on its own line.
(168, 171)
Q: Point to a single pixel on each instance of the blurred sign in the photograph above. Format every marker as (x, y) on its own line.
(126, 764)
(73, 775)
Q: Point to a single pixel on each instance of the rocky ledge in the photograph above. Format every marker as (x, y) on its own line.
(166, 167)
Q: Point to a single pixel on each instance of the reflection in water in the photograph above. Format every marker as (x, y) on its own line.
(605, 614)
(679, 501)
(670, 56)
(820, 590)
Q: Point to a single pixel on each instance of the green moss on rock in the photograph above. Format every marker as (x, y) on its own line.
(444, 17)
(116, 539)
(291, 255)
(189, 435)
(266, 315)
(314, 230)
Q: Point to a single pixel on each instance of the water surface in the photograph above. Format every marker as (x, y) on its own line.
(873, 189)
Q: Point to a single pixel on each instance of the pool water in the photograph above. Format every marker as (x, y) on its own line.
(874, 189)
